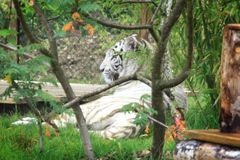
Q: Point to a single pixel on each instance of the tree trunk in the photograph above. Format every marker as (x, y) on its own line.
(230, 80)
(157, 94)
(18, 37)
(145, 18)
(53, 54)
(158, 131)
(157, 73)
(76, 108)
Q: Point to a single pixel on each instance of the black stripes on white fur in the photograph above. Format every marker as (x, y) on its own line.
(113, 65)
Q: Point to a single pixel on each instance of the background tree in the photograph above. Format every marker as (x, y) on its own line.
(52, 53)
(157, 82)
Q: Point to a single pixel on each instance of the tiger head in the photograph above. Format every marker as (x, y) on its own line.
(114, 64)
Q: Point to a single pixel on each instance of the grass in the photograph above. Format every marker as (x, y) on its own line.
(21, 142)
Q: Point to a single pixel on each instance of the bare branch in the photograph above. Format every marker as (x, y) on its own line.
(26, 29)
(156, 12)
(154, 34)
(11, 48)
(115, 83)
(165, 31)
(50, 34)
(172, 19)
(139, 1)
(53, 18)
(40, 135)
(23, 22)
(185, 72)
(158, 122)
(176, 81)
(144, 80)
(116, 25)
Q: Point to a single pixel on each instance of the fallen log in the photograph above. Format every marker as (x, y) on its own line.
(192, 149)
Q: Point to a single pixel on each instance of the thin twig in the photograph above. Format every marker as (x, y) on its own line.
(116, 25)
(40, 135)
(139, 1)
(48, 29)
(115, 83)
(11, 48)
(158, 122)
(23, 22)
(156, 12)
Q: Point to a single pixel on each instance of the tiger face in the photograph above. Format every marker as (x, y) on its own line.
(113, 65)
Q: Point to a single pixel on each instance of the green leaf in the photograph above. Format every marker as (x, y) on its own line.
(89, 6)
(7, 32)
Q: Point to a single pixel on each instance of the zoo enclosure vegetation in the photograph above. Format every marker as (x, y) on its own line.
(207, 41)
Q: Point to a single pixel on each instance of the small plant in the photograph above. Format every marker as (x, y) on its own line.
(20, 78)
(143, 112)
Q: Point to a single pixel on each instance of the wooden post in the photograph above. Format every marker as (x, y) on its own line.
(230, 80)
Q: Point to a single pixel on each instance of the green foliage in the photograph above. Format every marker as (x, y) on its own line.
(7, 32)
(142, 111)
(89, 6)
(26, 73)
(21, 142)
(201, 115)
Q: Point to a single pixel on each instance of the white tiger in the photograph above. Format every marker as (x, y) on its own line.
(104, 116)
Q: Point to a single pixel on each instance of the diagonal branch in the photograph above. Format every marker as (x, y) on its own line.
(139, 1)
(11, 48)
(50, 34)
(26, 29)
(165, 32)
(115, 83)
(151, 30)
(59, 73)
(186, 70)
(156, 12)
(116, 25)
(172, 19)
(23, 22)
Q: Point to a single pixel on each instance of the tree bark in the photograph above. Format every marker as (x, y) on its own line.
(83, 130)
(198, 150)
(53, 54)
(157, 93)
(230, 80)
(145, 18)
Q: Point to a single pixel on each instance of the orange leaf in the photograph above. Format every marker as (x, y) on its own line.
(68, 27)
(90, 29)
(56, 133)
(76, 16)
(47, 132)
(147, 130)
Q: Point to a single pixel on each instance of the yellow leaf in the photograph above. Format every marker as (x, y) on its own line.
(8, 79)
(31, 2)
